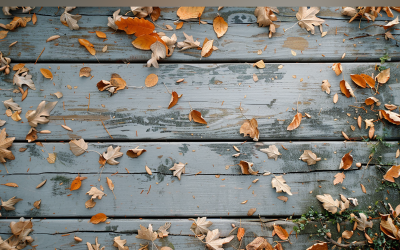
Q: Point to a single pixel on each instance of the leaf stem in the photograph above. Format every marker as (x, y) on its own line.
(167, 88)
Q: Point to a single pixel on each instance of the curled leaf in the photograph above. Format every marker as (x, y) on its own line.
(295, 122)
(346, 162)
(88, 46)
(196, 117)
(246, 168)
(346, 89)
(250, 128)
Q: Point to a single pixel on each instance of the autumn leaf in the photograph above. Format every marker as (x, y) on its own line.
(151, 80)
(309, 157)
(16, 22)
(41, 114)
(200, 226)
(96, 193)
(388, 106)
(78, 147)
(393, 172)
(136, 26)
(207, 47)
(162, 231)
(170, 43)
(111, 20)
(196, 117)
(280, 184)
(391, 23)
(213, 241)
(346, 162)
(52, 158)
(9, 205)
(101, 34)
(319, 246)
(174, 99)
(246, 168)
(112, 154)
(383, 76)
(159, 51)
(346, 89)
(240, 233)
(347, 234)
(250, 128)
(10, 184)
(307, 18)
(295, 122)
(12, 105)
(146, 234)
(96, 219)
(328, 203)
(3, 34)
(70, 20)
(388, 227)
(145, 41)
(118, 242)
(5, 143)
(21, 77)
(390, 116)
(369, 80)
(189, 12)
(110, 185)
(359, 80)
(258, 244)
(135, 152)
(372, 100)
(189, 43)
(220, 26)
(260, 64)
(179, 168)
(326, 86)
(265, 17)
(85, 71)
(271, 151)
(362, 222)
(339, 177)
(76, 184)
(90, 203)
(88, 46)
(337, 67)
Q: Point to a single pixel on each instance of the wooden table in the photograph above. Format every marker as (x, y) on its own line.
(217, 86)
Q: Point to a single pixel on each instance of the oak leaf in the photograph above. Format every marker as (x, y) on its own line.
(246, 168)
(280, 184)
(393, 172)
(78, 147)
(383, 76)
(136, 26)
(307, 18)
(112, 154)
(200, 226)
(271, 151)
(250, 128)
(88, 46)
(5, 143)
(96, 219)
(111, 20)
(265, 17)
(159, 51)
(146, 234)
(96, 246)
(162, 231)
(189, 43)
(21, 77)
(96, 193)
(41, 114)
(295, 122)
(189, 12)
(118, 242)
(220, 26)
(142, 11)
(213, 241)
(259, 243)
(12, 105)
(170, 43)
(196, 117)
(9, 205)
(309, 157)
(328, 203)
(339, 177)
(179, 169)
(346, 162)
(390, 116)
(326, 86)
(362, 222)
(70, 20)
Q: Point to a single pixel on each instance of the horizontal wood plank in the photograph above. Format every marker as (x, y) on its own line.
(216, 90)
(240, 44)
(207, 158)
(159, 195)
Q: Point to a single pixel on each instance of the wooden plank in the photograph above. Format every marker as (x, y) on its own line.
(216, 90)
(209, 158)
(240, 44)
(159, 195)
(49, 233)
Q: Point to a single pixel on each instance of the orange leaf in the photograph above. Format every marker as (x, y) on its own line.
(3, 34)
(346, 89)
(151, 80)
(393, 172)
(278, 246)
(281, 232)
(319, 246)
(76, 184)
(295, 122)
(34, 18)
(359, 80)
(18, 66)
(101, 34)
(137, 26)
(179, 25)
(347, 161)
(144, 42)
(189, 12)
(220, 26)
(250, 128)
(96, 219)
(240, 233)
(155, 14)
(174, 99)
(337, 67)
(390, 116)
(196, 116)
(10, 184)
(369, 80)
(46, 73)
(88, 46)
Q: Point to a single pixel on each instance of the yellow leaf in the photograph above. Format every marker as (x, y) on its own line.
(151, 80)
(101, 34)
(88, 46)
(220, 26)
(46, 73)
(189, 12)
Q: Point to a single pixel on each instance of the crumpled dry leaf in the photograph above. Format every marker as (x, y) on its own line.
(346, 162)
(337, 67)
(372, 100)
(116, 83)
(15, 116)
(346, 89)
(6, 10)
(200, 226)
(309, 157)
(174, 99)
(390, 116)
(326, 86)
(90, 203)
(328, 203)
(271, 151)
(70, 20)
(88, 46)
(390, 107)
(189, 43)
(319, 246)
(118, 242)
(16, 22)
(162, 231)
(260, 64)
(159, 51)
(85, 71)
(112, 154)
(295, 122)
(259, 243)
(280, 184)
(347, 234)
(170, 42)
(307, 18)
(393, 172)
(388, 227)
(213, 241)
(111, 20)
(362, 222)
(135, 152)
(339, 177)
(78, 147)
(246, 168)
(12, 105)
(41, 114)
(9, 205)
(32, 135)
(58, 94)
(146, 234)
(189, 12)
(179, 169)
(220, 26)
(196, 117)
(96, 219)
(36, 204)
(391, 23)
(96, 246)
(5, 143)
(96, 193)
(21, 77)
(383, 76)
(265, 17)
(250, 128)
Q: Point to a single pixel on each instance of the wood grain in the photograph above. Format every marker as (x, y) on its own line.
(240, 44)
(216, 90)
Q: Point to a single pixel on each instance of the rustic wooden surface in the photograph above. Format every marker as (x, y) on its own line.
(240, 44)
(212, 89)
(217, 86)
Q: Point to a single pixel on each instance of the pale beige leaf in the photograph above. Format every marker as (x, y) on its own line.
(271, 151)
(213, 241)
(36, 204)
(362, 222)
(339, 177)
(383, 76)
(207, 47)
(250, 128)
(200, 226)
(67, 128)
(255, 78)
(335, 98)
(148, 170)
(5, 143)
(96, 193)
(78, 147)
(179, 168)
(220, 26)
(337, 67)
(260, 64)
(112, 154)
(41, 114)
(52, 38)
(246, 168)
(309, 157)
(188, 43)
(12, 105)
(9, 205)
(146, 234)
(15, 116)
(307, 18)
(369, 123)
(162, 231)
(328, 203)
(347, 234)
(118, 242)
(326, 86)
(280, 184)
(58, 94)
(52, 158)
